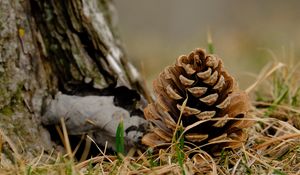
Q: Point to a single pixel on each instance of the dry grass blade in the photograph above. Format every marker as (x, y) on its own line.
(263, 76)
(78, 145)
(39, 158)
(86, 150)
(159, 170)
(259, 160)
(66, 139)
(289, 108)
(276, 139)
(103, 153)
(11, 144)
(179, 120)
(91, 160)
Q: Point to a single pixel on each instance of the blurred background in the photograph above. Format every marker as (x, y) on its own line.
(246, 34)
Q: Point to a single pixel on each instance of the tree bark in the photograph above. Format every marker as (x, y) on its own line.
(51, 46)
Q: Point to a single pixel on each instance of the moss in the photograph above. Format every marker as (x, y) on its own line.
(7, 111)
(15, 100)
(1, 26)
(17, 97)
(5, 108)
(3, 92)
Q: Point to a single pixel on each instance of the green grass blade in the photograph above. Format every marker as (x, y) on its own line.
(282, 94)
(29, 171)
(278, 172)
(295, 98)
(179, 148)
(210, 46)
(150, 156)
(174, 139)
(120, 138)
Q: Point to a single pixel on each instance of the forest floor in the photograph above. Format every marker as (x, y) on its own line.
(273, 146)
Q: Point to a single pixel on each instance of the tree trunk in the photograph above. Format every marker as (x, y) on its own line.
(55, 46)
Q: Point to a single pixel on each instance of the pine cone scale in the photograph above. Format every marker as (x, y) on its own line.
(206, 115)
(205, 75)
(210, 99)
(195, 137)
(212, 79)
(197, 91)
(172, 93)
(185, 81)
(220, 84)
(188, 111)
(221, 137)
(225, 103)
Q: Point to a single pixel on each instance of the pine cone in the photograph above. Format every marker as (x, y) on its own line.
(212, 97)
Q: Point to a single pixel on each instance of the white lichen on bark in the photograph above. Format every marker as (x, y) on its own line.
(100, 25)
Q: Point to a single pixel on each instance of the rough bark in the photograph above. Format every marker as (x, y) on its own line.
(50, 46)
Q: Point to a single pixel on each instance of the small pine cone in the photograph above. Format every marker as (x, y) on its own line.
(213, 101)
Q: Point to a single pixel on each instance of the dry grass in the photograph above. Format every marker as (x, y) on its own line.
(273, 146)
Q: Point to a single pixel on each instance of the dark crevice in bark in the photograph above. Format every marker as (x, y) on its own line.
(96, 55)
(61, 59)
